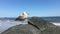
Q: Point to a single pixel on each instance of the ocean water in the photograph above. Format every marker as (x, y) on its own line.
(56, 23)
(5, 24)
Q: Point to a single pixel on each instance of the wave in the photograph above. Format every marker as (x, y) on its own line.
(5, 24)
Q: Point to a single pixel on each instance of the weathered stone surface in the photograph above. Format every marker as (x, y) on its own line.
(39, 23)
(44, 26)
(52, 30)
(22, 29)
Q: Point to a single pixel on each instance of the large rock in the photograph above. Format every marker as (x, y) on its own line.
(36, 26)
(44, 26)
(22, 29)
(40, 23)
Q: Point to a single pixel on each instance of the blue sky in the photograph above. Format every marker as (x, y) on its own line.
(41, 8)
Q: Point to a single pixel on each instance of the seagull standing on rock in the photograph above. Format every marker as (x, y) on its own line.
(22, 17)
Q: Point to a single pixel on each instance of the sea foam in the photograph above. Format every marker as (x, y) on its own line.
(5, 24)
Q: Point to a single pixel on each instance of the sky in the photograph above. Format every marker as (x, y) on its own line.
(41, 8)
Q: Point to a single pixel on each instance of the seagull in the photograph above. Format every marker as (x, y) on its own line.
(24, 15)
